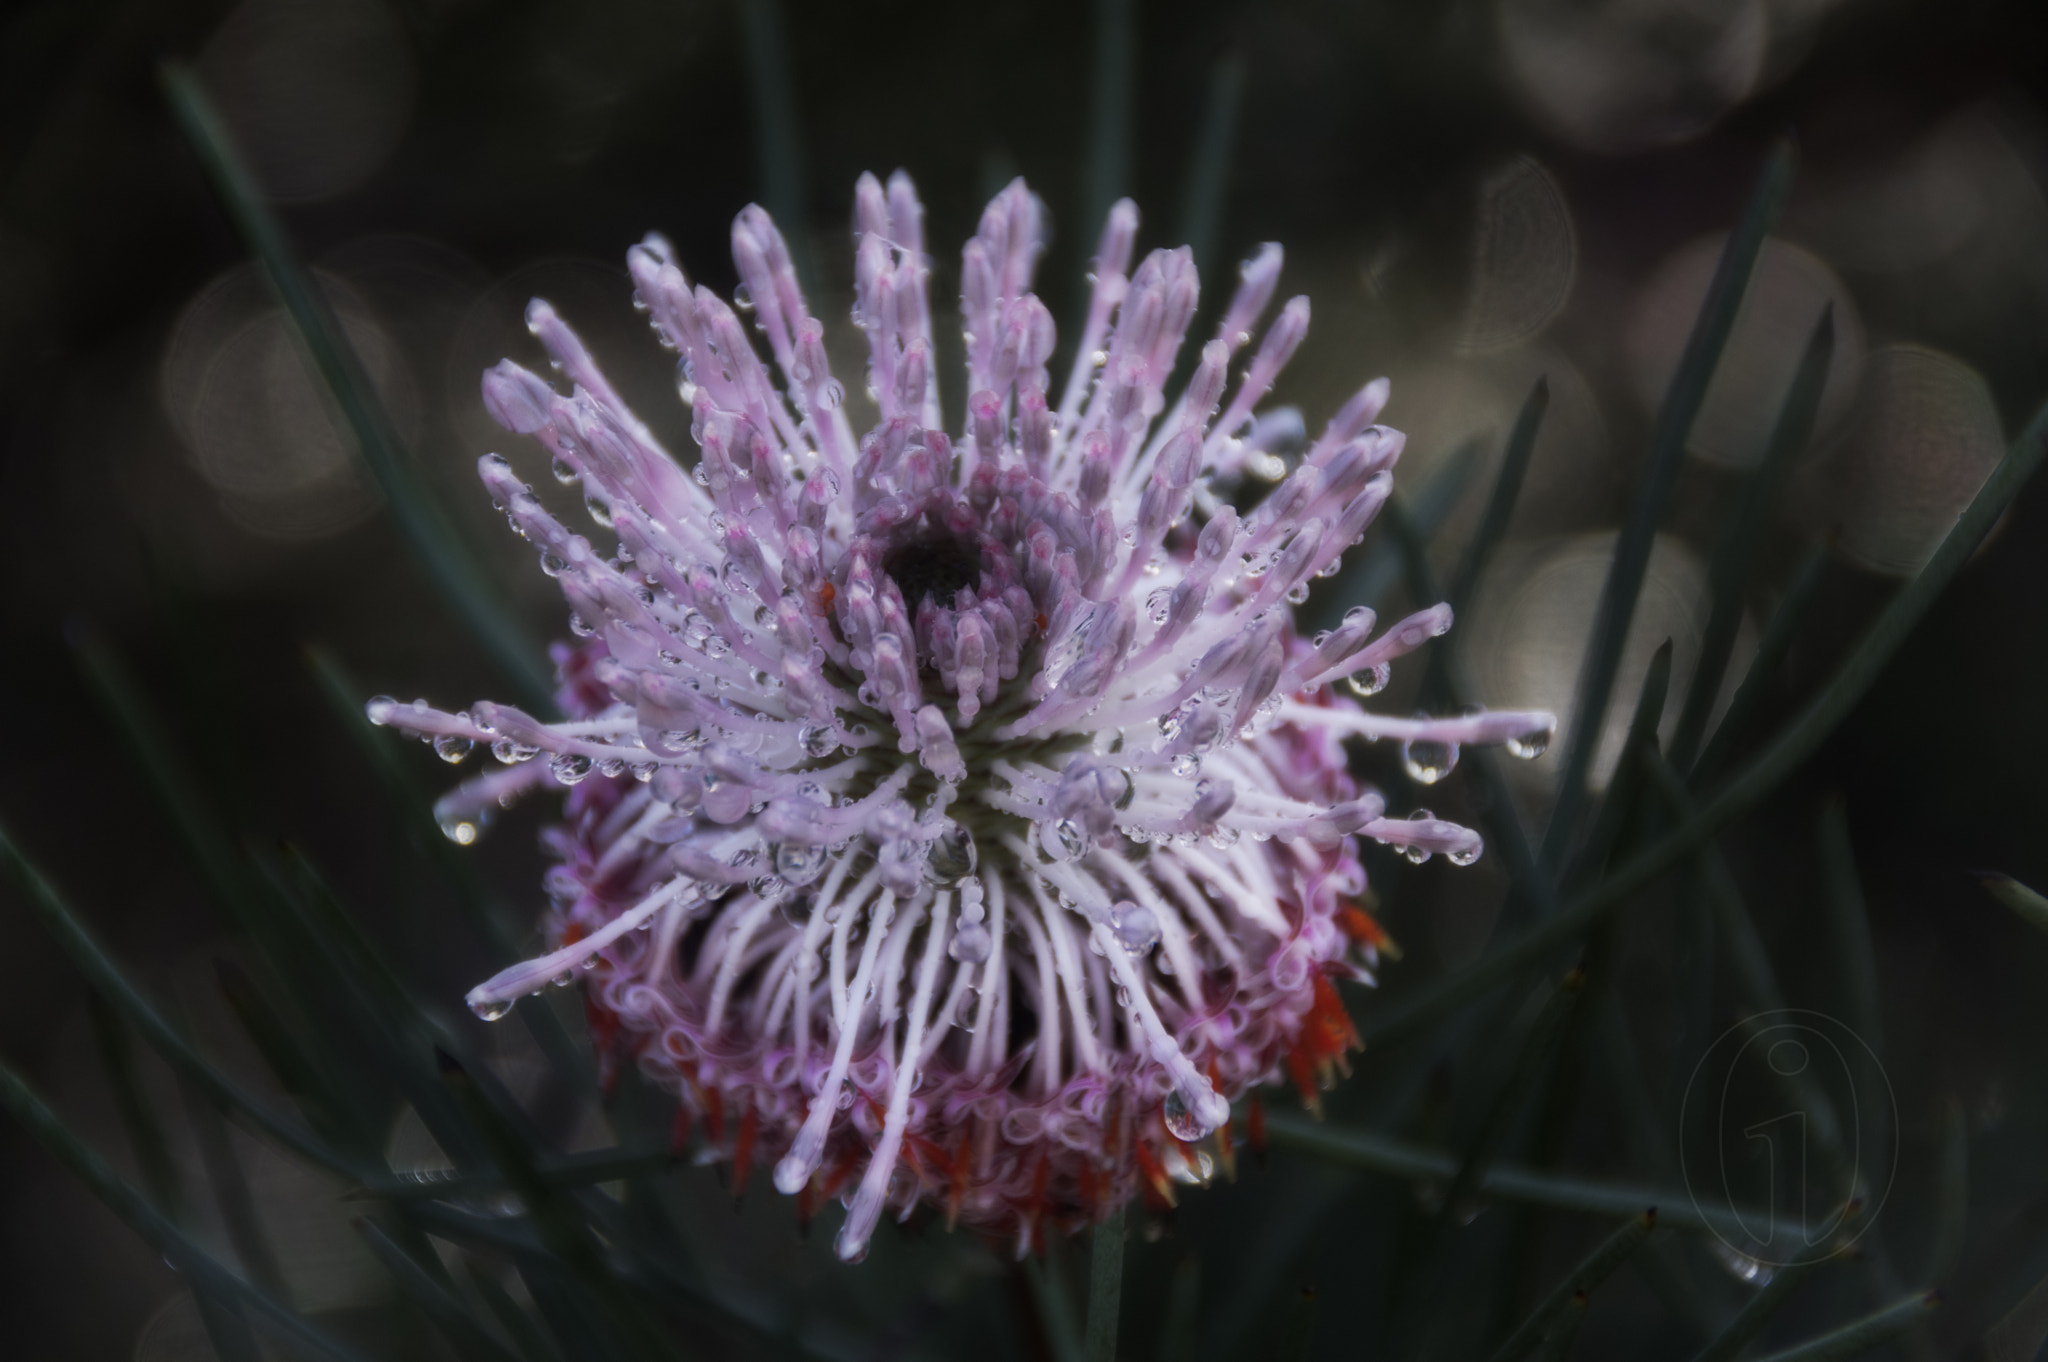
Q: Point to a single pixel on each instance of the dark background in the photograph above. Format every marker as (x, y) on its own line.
(170, 480)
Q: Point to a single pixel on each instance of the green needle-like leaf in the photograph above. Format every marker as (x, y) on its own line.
(1582, 1280)
(1737, 551)
(447, 1312)
(1951, 1192)
(570, 1170)
(1179, 1329)
(106, 977)
(1055, 1310)
(155, 1228)
(1201, 205)
(1798, 741)
(1531, 1062)
(778, 130)
(1784, 627)
(1500, 502)
(1112, 100)
(1105, 1289)
(2031, 906)
(1675, 415)
(1849, 925)
(1757, 1312)
(433, 539)
(1416, 1163)
(1300, 1330)
(1859, 1337)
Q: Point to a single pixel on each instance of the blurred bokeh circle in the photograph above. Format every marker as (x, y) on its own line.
(1779, 310)
(258, 425)
(1926, 437)
(1533, 617)
(317, 92)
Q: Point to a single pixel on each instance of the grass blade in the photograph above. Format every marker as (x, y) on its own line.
(1757, 1312)
(1582, 1280)
(138, 1117)
(570, 1170)
(1055, 1310)
(447, 1313)
(1105, 1289)
(1112, 100)
(1860, 1336)
(1500, 502)
(1392, 1157)
(462, 583)
(1179, 1329)
(778, 131)
(1675, 415)
(1301, 1328)
(1849, 924)
(1532, 1061)
(113, 985)
(1771, 651)
(1201, 205)
(1737, 550)
(155, 1228)
(1794, 744)
(2031, 906)
(1951, 1192)
(231, 1193)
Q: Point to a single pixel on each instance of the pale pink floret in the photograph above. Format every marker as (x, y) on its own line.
(955, 818)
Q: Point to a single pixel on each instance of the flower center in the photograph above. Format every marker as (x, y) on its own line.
(935, 565)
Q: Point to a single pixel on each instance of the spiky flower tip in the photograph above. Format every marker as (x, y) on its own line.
(957, 821)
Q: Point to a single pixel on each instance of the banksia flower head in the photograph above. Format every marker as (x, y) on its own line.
(955, 818)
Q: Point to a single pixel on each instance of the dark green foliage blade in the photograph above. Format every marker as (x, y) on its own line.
(1301, 1328)
(778, 137)
(1736, 554)
(1561, 1191)
(1675, 415)
(1055, 1309)
(1857, 1338)
(154, 1227)
(1849, 926)
(2030, 905)
(1105, 1289)
(427, 530)
(1112, 97)
(1757, 1312)
(107, 978)
(449, 1315)
(1793, 745)
(231, 1194)
(1179, 1329)
(1780, 633)
(1583, 1279)
(1208, 174)
(1500, 502)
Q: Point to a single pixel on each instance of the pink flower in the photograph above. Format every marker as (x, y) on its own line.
(954, 819)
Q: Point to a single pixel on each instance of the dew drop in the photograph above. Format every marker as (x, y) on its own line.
(1181, 1120)
(1533, 744)
(1428, 762)
(1072, 841)
(569, 767)
(1187, 765)
(1371, 681)
(565, 472)
(491, 1009)
(453, 747)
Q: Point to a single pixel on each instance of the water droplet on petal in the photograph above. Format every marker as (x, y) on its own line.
(491, 1009)
(569, 767)
(1533, 744)
(1181, 1121)
(1371, 681)
(453, 747)
(1428, 762)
